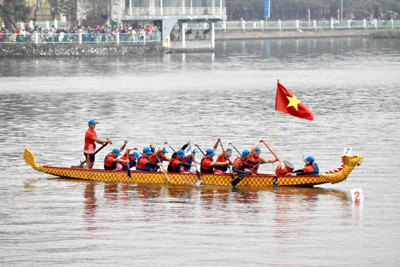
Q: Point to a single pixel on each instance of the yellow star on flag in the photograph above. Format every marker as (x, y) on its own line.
(293, 102)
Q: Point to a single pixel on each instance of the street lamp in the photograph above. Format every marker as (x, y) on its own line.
(341, 10)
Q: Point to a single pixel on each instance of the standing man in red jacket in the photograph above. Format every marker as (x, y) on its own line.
(90, 144)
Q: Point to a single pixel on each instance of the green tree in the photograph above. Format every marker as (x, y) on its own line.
(13, 11)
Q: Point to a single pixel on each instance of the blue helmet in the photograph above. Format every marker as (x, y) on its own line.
(211, 152)
(181, 153)
(147, 151)
(310, 159)
(229, 150)
(257, 149)
(245, 153)
(116, 151)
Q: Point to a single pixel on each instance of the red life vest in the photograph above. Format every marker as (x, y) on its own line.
(107, 165)
(205, 166)
(141, 164)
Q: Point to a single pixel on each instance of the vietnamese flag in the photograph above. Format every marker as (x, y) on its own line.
(287, 102)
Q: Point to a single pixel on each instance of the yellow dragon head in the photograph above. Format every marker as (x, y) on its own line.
(352, 160)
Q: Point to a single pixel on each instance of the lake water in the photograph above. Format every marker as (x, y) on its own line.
(350, 84)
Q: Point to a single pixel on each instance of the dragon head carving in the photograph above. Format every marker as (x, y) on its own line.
(352, 160)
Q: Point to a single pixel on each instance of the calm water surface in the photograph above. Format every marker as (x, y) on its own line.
(351, 85)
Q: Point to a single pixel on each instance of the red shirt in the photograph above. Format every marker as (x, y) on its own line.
(90, 144)
(153, 158)
(221, 158)
(124, 157)
(109, 160)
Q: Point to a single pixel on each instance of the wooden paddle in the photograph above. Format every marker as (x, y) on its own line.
(241, 177)
(162, 168)
(226, 158)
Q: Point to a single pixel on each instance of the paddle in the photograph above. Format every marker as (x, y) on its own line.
(162, 168)
(128, 166)
(241, 177)
(226, 158)
(83, 162)
(197, 172)
(200, 150)
(236, 149)
(271, 151)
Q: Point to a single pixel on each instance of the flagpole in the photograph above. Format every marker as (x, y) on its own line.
(274, 138)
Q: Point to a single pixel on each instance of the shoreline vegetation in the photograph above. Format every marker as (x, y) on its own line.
(386, 34)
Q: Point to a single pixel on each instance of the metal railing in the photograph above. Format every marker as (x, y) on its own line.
(79, 38)
(174, 11)
(279, 25)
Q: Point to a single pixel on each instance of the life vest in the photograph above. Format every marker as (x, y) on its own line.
(209, 170)
(112, 167)
(240, 164)
(315, 168)
(173, 165)
(250, 165)
(142, 164)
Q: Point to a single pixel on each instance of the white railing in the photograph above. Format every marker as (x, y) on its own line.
(175, 11)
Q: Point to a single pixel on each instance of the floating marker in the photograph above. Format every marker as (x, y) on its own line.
(357, 195)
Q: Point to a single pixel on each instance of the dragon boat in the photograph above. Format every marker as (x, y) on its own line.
(139, 177)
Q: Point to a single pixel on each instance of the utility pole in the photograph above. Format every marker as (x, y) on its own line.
(341, 10)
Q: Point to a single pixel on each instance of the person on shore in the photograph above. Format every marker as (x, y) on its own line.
(112, 162)
(158, 156)
(240, 166)
(132, 159)
(207, 165)
(178, 165)
(310, 168)
(144, 163)
(223, 157)
(91, 139)
(255, 160)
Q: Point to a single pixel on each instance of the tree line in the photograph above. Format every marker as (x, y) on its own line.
(12, 11)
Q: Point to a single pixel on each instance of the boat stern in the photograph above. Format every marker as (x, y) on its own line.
(30, 159)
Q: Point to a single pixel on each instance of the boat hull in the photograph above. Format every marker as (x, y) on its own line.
(262, 180)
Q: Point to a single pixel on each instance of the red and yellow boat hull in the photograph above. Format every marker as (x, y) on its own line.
(138, 177)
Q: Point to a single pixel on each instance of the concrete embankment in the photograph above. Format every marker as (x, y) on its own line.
(78, 50)
(240, 35)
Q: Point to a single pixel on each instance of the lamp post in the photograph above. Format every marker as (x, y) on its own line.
(341, 10)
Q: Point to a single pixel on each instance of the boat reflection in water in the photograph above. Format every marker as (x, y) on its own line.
(286, 205)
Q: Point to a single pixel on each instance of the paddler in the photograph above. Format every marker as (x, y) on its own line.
(255, 158)
(207, 164)
(158, 155)
(177, 164)
(239, 165)
(310, 168)
(144, 163)
(223, 157)
(133, 157)
(191, 154)
(90, 143)
(112, 162)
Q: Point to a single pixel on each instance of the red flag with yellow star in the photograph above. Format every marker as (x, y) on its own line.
(287, 102)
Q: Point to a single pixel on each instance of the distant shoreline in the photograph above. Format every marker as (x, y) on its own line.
(32, 50)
